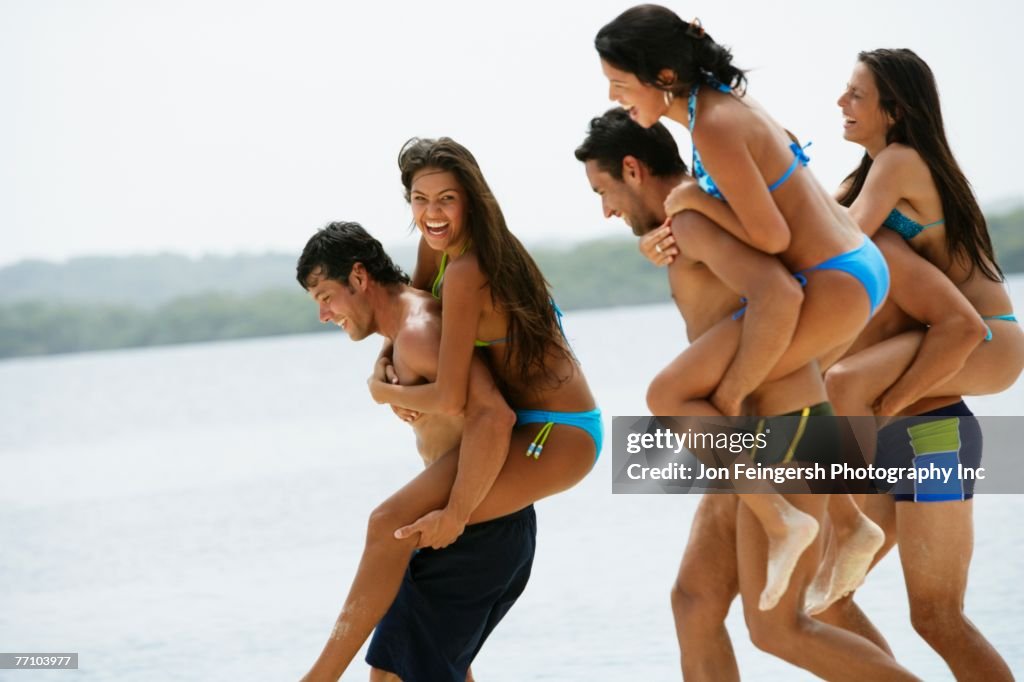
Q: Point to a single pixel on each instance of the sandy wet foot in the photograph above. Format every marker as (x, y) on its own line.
(854, 553)
(784, 552)
(817, 591)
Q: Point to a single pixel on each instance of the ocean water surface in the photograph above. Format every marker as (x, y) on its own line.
(197, 512)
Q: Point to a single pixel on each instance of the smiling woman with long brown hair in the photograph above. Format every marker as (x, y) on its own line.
(909, 189)
(495, 303)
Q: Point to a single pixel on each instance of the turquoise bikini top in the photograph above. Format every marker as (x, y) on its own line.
(906, 227)
(909, 228)
(703, 179)
(435, 291)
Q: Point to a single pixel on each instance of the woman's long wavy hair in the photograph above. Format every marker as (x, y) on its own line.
(907, 92)
(645, 39)
(517, 285)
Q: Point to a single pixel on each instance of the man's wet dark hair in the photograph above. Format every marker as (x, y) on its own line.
(614, 136)
(333, 250)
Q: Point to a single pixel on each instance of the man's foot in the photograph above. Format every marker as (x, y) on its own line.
(854, 553)
(783, 554)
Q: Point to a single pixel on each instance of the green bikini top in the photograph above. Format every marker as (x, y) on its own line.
(435, 291)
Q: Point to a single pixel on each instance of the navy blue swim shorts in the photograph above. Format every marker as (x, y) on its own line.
(452, 598)
(944, 440)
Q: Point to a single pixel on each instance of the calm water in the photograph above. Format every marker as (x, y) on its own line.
(196, 512)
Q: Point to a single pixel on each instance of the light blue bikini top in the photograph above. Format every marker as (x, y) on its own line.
(906, 227)
(704, 180)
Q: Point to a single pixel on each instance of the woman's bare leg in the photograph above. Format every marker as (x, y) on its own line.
(993, 366)
(568, 456)
(789, 532)
(844, 612)
(856, 540)
(786, 631)
(697, 371)
(879, 510)
(827, 320)
(684, 386)
(852, 544)
(857, 382)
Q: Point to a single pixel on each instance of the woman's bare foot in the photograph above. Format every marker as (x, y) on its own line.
(784, 550)
(855, 549)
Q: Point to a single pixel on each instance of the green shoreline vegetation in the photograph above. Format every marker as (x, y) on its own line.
(104, 303)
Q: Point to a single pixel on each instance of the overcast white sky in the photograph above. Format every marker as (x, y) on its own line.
(218, 127)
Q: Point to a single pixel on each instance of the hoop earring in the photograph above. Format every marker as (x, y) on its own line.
(668, 98)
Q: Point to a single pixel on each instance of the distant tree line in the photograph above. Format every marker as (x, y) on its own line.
(1007, 231)
(149, 281)
(594, 274)
(39, 328)
(107, 303)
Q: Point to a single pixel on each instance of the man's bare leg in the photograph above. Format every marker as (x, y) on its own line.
(705, 587)
(846, 614)
(568, 456)
(936, 543)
